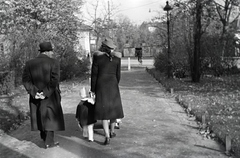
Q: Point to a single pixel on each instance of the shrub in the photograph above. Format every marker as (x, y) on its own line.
(17, 63)
(180, 67)
(71, 66)
(161, 62)
(6, 82)
(234, 70)
(180, 73)
(179, 64)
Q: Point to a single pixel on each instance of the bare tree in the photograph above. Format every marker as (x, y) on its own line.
(225, 10)
(100, 18)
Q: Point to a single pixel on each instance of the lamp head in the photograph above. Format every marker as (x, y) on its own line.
(167, 7)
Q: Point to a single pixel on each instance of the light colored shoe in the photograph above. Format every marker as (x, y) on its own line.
(55, 144)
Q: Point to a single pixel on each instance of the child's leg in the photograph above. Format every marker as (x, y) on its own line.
(117, 125)
(112, 126)
(90, 132)
(85, 131)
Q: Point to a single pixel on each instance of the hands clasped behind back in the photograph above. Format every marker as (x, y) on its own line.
(39, 95)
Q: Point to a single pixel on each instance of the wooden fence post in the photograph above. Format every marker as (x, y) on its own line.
(228, 144)
(129, 64)
(171, 90)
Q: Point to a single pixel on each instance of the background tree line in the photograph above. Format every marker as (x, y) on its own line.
(202, 35)
(105, 21)
(26, 23)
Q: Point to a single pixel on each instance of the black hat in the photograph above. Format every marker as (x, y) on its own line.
(45, 46)
(109, 43)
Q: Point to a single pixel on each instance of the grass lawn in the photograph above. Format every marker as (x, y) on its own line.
(216, 98)
(13, 110)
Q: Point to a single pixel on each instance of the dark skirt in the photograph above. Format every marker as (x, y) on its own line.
(85, 113)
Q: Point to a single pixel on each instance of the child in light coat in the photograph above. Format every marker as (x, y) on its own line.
(85, 115)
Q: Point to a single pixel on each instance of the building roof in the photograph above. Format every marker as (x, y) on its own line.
(84, 27)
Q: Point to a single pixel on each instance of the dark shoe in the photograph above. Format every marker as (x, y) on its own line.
(43, 138)
(107, 141)
(56, 144)
(90, 140)
(112, 135)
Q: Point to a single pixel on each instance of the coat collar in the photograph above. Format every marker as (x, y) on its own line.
(115, 54)
(41, 55)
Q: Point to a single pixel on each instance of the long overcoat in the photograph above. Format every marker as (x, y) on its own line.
(42, 75)
(105, 78)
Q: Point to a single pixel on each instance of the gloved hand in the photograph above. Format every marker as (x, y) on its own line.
(91, 94)
(39, 95)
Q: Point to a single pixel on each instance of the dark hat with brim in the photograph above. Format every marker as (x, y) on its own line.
(109, 43)
(45, 46)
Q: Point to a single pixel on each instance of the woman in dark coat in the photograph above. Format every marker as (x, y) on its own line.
(41, 80)
(105, 77)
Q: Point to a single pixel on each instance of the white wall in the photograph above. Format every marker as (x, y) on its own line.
(84, 43)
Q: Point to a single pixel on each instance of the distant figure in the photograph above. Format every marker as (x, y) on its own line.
(41, 80)
(105, 77)
(138, 52)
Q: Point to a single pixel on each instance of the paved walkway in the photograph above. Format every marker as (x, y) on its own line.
(155, 126)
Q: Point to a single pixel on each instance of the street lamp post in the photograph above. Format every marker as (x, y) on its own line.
(168, 8)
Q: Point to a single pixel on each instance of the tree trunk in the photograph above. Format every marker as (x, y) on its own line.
(197, 43)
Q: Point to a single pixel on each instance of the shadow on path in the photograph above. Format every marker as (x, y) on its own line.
(6, 150)
(136, 80)
(72, 140)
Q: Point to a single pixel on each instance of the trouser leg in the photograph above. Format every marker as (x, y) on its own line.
(43, 135)
(85, 131)
(112, 125)
(49, 138)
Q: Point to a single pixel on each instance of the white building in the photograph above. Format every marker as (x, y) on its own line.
(83, 43)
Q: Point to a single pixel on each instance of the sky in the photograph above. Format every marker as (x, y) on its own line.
(137, 10)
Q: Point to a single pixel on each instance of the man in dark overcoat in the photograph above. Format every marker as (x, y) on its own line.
(41, 80)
